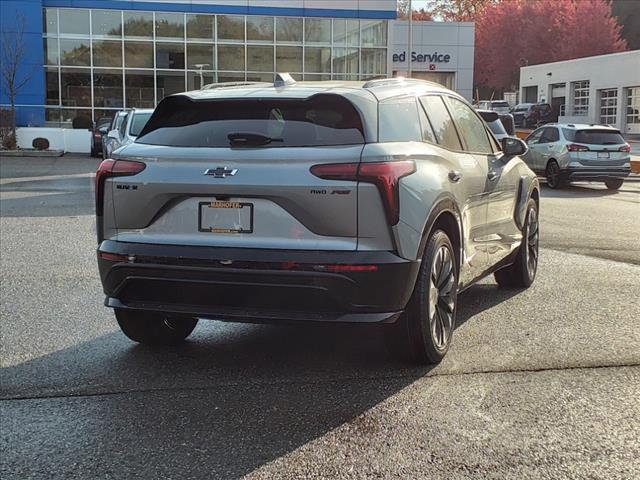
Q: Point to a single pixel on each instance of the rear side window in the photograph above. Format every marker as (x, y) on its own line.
(471, 127)
(441, 122)
(399, 121)
(594, 137)
(550, 134)
(320, 120)
(123, 125)
(138, 122)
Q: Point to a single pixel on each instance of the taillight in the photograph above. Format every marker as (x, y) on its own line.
(574, 147)
(625, 148)
(384, 175)
(113, 168)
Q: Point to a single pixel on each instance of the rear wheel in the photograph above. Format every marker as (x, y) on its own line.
(554, 179)
(423, 333)
(154, 328)
(523, 271)
(614, 183)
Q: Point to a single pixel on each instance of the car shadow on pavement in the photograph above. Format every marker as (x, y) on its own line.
(587, 190)
(226, 402)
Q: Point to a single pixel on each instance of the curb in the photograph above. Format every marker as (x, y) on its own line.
(31, 153)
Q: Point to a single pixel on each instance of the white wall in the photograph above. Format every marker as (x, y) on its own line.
(456, 39)
(65, 139)
(616, 70)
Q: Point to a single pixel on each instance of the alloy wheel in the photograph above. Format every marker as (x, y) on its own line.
(442, 297)
(553, 173)
(531, 247)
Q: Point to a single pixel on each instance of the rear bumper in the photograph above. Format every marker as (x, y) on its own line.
(251, 285)
(592, 173)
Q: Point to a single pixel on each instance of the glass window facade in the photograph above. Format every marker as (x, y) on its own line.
(609, 106)
(98, 60)
(580, 98)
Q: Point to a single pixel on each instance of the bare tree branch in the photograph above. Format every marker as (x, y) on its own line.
(13, 53)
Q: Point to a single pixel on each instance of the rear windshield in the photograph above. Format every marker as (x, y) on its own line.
(594, 137)
(500, 104)
(138, 122)
(320, 120)
(497, 128)
(521, 108)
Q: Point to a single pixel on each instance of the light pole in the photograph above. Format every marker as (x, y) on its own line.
(410, 42)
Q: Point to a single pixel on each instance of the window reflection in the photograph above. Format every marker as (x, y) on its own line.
(74, 21)
(138, 25)
(231, 27)
(317, 30)
(106, 23)
(170, 26)
(107, 53)
(75, 52)
(288, 30)
(259, 29)
(200, 27)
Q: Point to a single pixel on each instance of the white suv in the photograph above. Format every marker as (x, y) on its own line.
(565, 152)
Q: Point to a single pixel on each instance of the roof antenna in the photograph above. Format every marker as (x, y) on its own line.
(283, 79)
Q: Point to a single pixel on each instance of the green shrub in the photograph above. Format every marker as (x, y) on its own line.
(40, 143)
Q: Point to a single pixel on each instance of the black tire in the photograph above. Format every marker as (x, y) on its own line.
(614, 183)
(522, 272)
(423, 333)
(154, 328)
(554, 175)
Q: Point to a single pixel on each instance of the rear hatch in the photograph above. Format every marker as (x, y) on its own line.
(236, 173)
(595, 147)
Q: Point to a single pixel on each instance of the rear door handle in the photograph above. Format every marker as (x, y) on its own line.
(455, 176)
(492, 175)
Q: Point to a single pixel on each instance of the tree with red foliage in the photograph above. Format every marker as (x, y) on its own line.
(421, 15)
(515, 33)
(458, 10)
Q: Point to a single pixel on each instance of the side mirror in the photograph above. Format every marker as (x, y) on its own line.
(112, 134)
(103, 130)
(512, 146)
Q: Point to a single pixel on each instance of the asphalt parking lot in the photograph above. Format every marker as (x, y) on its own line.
(542, 383)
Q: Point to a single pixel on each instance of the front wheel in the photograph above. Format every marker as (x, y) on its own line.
(153, 328)
(423, 333)
(613, 183)
(523, 271)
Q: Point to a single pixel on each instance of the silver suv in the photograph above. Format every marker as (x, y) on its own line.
(127, 127)
(366, 203)
(566, 152)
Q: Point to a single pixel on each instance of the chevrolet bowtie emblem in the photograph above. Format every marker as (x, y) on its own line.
(221, 172)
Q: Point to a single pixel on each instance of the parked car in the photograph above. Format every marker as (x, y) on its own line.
(362, 203)
(116, 123)
(100, 129)
(568, 152)
(532, 115)
(496, 126)
(500, 106)
(130, 127)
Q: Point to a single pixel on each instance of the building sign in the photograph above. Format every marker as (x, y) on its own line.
(416, 57)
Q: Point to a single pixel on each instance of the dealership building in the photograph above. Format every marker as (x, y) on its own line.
(90, 58)
(604, 89)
